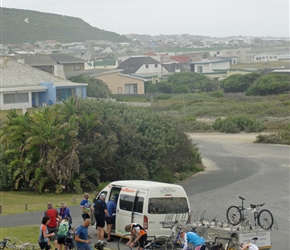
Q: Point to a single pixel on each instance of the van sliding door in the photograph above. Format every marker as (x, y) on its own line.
(125, 209)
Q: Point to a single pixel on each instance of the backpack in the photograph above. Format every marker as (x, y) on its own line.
(63, 229)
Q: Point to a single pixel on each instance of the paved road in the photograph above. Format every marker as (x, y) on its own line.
(258, 172)
(235, 167)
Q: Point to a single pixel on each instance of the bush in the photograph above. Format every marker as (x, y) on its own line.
(235, 124)
(217, 94)
(275, 138)
(163, 97)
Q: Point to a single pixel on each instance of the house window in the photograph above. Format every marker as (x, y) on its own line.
(62, 94)
(15, 98)
(147, 66)
(131, 88)
(199, 69)
(156, 65)
(77, 67)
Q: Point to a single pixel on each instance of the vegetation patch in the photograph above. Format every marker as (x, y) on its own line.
(274, 138)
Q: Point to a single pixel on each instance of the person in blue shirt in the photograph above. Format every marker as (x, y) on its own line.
(193, 238)
(81, 236)
(111, 207)
(64, 211)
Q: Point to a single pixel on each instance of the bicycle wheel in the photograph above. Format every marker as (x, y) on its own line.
(162, 243)
(234, 215)
(122, 243)
(265, 219)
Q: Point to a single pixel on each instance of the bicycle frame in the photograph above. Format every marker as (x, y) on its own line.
(254, 210)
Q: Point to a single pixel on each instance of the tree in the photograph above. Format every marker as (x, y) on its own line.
(96, 88)
(270, 84)
(238, 82)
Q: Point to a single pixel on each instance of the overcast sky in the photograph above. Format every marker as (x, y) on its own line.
(218, 18)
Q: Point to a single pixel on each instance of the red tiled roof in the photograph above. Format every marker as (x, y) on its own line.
(180, 58)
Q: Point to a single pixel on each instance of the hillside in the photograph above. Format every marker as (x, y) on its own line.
(21, 26)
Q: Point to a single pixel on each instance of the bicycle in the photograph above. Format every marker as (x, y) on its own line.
(5, 244)
(170, 242)
(124, 240)
(236, 215)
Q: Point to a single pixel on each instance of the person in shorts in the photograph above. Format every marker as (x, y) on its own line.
(139, 232)
(43, 239)
(111, 207)
(100, 211)
(63, 231)
(52, 226)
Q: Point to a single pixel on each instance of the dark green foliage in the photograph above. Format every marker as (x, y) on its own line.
(270, 84)
(217, 94)
(236, 124)
(194, 82)
(183, 89)
(96, 88)
(81, 143)
(238, 82)
(45, 26)
(275, 138)
(163, 97)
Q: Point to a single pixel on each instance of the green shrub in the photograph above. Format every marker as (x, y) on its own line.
(235, 124)
(217, 94)
(163, 97)
(275, 138)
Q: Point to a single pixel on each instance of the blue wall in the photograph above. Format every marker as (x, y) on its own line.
(48, 97)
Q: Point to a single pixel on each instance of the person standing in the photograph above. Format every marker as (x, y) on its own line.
(81, 236)
(86, 208)
(52, 226)
(63, 231)
(193, 238)
(139, 232)
(100, 211)
(43, 239)
(111, 207)
(64, 211)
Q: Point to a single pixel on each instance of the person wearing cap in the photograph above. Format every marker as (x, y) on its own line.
(111, 207)
(100, 211)
(52, 226)
(193, 238)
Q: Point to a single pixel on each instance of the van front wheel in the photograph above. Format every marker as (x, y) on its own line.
(124, 240)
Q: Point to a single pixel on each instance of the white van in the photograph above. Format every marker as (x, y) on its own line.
(149, 204)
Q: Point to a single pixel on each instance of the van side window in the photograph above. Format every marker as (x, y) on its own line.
(138, 207)
(127, 203)
(167, 205)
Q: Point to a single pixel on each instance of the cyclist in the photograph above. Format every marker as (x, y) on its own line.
(139, 232)
(193, 238)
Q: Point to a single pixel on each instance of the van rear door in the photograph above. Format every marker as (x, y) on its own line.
(124, 211)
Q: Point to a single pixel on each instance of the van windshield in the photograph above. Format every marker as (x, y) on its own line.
(167, 205)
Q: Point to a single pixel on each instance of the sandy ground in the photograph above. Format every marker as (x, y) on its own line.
(242, 137)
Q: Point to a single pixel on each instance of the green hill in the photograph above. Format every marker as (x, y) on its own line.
(21, 26)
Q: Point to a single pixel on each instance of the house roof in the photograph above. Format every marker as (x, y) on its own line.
(19, 75)
(88, 72)
(119, 73)
(208, 61)
(132, 64)
(62, 58)
(181, 58)
(38, 60)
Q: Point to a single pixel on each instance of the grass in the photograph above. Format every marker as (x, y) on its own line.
(15, 202)
(22, 233)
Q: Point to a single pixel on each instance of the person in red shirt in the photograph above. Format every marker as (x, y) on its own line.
(52, 226)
